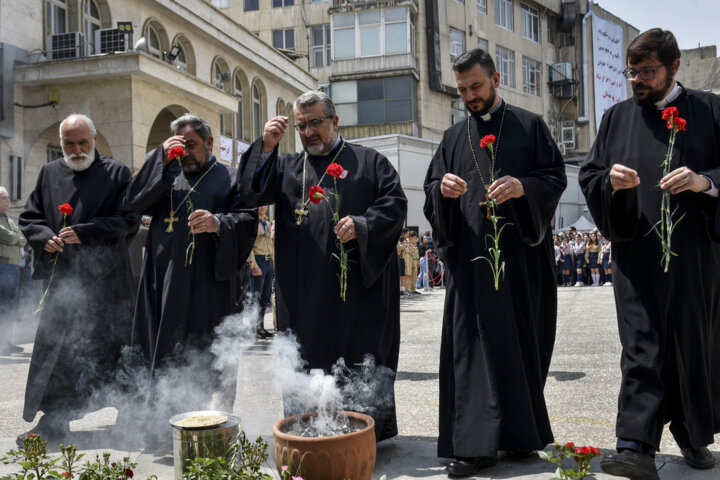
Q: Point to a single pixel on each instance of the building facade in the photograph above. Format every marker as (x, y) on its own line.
(78, 56)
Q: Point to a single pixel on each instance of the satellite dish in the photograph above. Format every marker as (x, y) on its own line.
(141, 45)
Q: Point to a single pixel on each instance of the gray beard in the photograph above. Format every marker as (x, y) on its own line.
(79, 165)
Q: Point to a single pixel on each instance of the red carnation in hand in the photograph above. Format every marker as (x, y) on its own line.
(335, 170)
(65, 209)
(680, 122)
(674, 121)
(486, 140)
(176, 152)
(317, 193)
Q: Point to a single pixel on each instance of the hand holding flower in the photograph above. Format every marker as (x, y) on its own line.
(505, 188)
(54, 244)
(173, 148)
(345, 229)
(68, 235)
(682, 179)
(202, 221)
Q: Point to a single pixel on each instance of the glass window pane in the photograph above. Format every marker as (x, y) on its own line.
(347, 113)
(398, 111)
(398, 87)
(396, 38)
(316, 36)
(369, 17)
(369, 41)
(344, 92)
(483, 44)
(290, 39)
(371, 89)
(277, 38)
(371, 112)
(344, 20)
(395, 14)
(60, 23)
(345, 43)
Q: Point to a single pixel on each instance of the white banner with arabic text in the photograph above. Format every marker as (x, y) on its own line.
(608, 64)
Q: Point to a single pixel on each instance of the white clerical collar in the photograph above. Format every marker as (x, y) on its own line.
(672, 96)
(486, 117)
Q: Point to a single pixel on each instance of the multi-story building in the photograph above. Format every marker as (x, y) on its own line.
(64, 56)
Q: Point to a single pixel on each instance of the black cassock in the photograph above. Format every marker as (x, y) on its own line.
(88, 311)
(496, 345)
(307, 292)
(179, 305)
(668, 322)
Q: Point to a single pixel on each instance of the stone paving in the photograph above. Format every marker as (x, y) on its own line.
(581, 394)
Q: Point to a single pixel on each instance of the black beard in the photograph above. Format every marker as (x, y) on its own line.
(653, 96)
(488, 105)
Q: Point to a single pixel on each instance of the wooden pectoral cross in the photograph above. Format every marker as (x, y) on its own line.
(170, 220)
(486, 204)
(300, 213)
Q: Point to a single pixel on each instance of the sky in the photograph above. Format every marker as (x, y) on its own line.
(692, 21)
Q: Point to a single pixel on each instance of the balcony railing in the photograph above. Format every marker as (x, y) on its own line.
(374, 64)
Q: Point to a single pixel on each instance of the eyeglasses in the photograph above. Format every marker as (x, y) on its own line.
(314, 124)
(646, 73)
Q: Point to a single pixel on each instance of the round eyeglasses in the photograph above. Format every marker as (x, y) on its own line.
(646, 73)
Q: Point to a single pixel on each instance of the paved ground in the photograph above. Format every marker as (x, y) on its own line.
(581, 395)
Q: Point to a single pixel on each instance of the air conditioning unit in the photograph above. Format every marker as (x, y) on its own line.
(65, 45)
(561, 72)
(111, 40)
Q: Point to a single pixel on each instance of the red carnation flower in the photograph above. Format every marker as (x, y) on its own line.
(129, 473)
(486, 140)
(570, 445)
(670, 112)
(65, 209)
(680, 122)
(175, 152)
(316, 193)
(335, 170)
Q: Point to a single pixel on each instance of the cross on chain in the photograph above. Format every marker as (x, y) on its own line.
(170, 220)
(300, 213)
(486, 204)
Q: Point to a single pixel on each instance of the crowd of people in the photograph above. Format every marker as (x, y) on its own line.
(583, 259)
(338, 265)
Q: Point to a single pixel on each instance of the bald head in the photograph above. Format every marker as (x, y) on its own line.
(77, 139)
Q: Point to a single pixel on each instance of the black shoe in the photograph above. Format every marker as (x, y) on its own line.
(518, 454)
(465, 467)
(261, 333)
(48, 429)
(700, 459)
(630, 464)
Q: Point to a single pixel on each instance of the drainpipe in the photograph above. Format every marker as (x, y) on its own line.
(586, 100)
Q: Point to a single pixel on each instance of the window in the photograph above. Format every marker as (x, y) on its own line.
(181, 60)
(320, 52)
(375, 100)
(284, 39)
(532, 73)
(221, 75)
(460, 1)
(457, 110)
(504, 14)
(372, 32)
(53, 153)
(282, 3)
(153, 41)
(457, 43)
(505, 64)
(55, 17)
(530, 20)
(257, 112)
(551, 22)
(251, 5)
(91, 22)
(220, 3)
(566, 39)
(238, 92)
(483, 44)
(482, 6)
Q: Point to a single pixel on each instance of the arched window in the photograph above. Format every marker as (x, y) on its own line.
(181, 60)
(238, 92)
(257, 112)
(185, 59)
(56, 17)
(221, 75)
(91, 22)
(152, 37)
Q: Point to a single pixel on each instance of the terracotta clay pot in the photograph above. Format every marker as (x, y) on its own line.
(347, 456)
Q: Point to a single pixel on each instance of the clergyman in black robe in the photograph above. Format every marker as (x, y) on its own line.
(668, 322)
(87, 313)
(182, 299)
(372, 211)
(496, 344)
